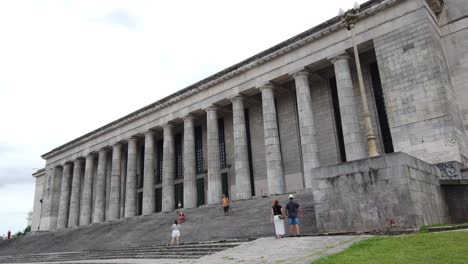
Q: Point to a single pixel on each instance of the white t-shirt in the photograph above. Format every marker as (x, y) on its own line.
(175, 227)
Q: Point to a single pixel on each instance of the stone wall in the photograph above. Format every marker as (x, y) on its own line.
(367, 194)
(38, 195)
(423, 114)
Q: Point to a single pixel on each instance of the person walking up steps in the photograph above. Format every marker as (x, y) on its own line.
(225, 205)
(277, 214)
(294, 212)
(175, 234)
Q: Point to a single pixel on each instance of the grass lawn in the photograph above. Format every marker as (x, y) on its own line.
(446, 247)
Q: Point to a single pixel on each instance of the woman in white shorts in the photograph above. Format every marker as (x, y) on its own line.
(175, 233)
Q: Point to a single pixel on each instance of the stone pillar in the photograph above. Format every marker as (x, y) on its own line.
(100, 200)
(214, 167)
(85, 212)
(168, 169)
(148, 175)
(241, 153)
(62, 221)
(274, 162)
(130, 192)
(309, 146)
(114, 201)
(350, 119)
(190, 177)
(74, 217)
(123, 180)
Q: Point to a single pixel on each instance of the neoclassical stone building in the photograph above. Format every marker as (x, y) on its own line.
(266, 124)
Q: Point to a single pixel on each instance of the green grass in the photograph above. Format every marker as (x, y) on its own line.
(446, 247)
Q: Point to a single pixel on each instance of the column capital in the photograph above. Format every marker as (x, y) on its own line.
(78, 160)
(149, 132)
(237, 98)
(189, 117)
(103, 150)
(90, 154)
(132, 139)
(116, 145)
(167, 125)
(66, 163)
(300, 72)
(267, 86)
(343, 56)
(211, 108)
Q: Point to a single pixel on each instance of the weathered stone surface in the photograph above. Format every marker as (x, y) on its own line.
(309, 145)
(275, 174)
(86, 201)
(168, 169)
(75, 198)
(214, 167)
(148, 176)
(131, 194)
(62, 219)
(100, 199)
(114, 207)
(241, 154)
(190, 180)
(367, 194)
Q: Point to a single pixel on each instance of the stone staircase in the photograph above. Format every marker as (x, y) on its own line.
(185, 251)
(249, 219)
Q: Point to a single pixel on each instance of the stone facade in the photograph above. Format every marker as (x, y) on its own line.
(268, 124)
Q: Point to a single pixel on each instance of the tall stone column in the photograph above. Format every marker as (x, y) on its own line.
(214, 167)
(241, 153)
(114, 206)
(190, 178)
(168, 169)
(148, 175)
(46, 210)
(130, 192)
(274, 162)
(75, 198)
(100, 200)
(62, 220)
(309, 146)
(352, 134)
(85, 212)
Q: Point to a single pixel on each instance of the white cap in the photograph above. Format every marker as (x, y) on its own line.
(291, 196)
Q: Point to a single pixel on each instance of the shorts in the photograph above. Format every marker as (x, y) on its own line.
(175, 233)
(293, 220)
(226, 209)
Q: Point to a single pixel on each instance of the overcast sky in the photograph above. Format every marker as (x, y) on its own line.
(69, 67)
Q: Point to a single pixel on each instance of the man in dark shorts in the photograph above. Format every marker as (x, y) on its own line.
(294, 212)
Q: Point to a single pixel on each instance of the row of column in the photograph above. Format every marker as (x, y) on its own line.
(81, 213)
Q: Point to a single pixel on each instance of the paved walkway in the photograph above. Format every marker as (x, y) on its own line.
(262, 251)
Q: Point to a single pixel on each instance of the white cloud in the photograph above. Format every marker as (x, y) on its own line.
(69, 67)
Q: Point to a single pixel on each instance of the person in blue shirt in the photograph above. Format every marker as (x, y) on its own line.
(294, 212)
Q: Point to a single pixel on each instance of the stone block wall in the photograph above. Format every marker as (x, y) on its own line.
(365, 195)
(423, 115)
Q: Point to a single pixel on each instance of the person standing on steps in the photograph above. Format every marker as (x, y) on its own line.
(294, 212)
(175, 234)
(277, 215)
(226, 205)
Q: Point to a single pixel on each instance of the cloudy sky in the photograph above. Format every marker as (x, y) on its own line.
(69, 67)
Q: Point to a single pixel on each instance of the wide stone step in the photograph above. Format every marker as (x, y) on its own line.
(185, 251)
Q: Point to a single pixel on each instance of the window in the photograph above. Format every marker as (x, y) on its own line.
(199, 149)
(159, 151)
(222, 144)
(179, 172)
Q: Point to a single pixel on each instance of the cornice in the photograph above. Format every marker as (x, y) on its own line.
(332, 25)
